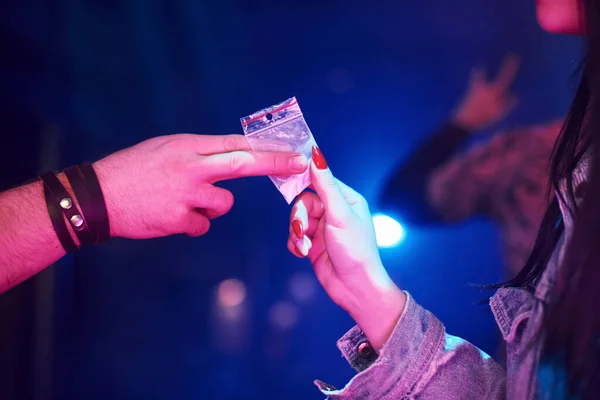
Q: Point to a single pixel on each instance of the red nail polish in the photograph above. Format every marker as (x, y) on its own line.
(298, 252)
(297, 228)
(318, 158)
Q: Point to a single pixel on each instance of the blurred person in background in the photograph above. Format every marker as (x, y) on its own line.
(504, 179)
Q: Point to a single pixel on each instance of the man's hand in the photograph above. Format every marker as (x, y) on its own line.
(160, 187)
(164, 185)
(487, 102)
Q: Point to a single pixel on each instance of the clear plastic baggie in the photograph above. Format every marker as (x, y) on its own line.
(281, 127)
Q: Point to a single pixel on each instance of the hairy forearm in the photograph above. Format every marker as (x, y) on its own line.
(28, 242)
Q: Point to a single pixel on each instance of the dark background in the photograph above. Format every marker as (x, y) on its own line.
(81, 78)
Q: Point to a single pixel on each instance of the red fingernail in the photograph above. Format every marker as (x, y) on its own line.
(298, 252)
(297, 227)
(318, 158)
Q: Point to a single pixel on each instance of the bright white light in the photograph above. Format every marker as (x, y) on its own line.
(388, 231)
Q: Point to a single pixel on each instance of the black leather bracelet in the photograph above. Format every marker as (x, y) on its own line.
(100, 212)
(66, 204)
(84, 199)
(58, 221)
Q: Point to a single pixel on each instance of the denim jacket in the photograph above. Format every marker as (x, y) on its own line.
(421, 361)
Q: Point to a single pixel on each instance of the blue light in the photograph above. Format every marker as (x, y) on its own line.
(388, 231)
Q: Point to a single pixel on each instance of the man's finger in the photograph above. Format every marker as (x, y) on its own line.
(197, 224)
(215, 144)
(212, 201)
(239, 164)
(259, 143)
(508, 72)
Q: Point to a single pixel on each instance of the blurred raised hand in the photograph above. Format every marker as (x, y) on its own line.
(487, 101)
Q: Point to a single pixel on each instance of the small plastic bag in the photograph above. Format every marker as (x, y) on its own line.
(281, 128)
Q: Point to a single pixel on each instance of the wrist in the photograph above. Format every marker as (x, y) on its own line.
(377, 309)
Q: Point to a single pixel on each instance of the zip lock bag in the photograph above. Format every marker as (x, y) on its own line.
(281, 127)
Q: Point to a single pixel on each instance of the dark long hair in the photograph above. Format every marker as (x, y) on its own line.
(571, 326)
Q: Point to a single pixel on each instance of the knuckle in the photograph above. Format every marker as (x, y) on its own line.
(305, 197)
(180, 213)
(221, 199)
(361, 199)
(180, 220)
(211, 196)
(232, 142)
(330, 182)
(236, 162)
(279, 162)
(177, 141)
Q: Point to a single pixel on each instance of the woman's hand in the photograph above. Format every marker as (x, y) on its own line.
(334, 229)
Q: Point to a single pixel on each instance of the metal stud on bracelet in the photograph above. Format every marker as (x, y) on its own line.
(58, 222)
(66, 203)
(77, 221)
